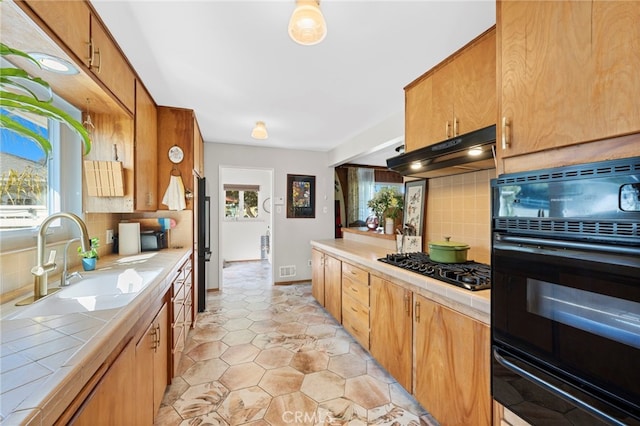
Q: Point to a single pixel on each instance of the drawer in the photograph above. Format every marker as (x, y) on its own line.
(178, 292)
(355, 274)
(178, 313)
(362, 336)
(355, 288)
(178, 337)
(355, 313)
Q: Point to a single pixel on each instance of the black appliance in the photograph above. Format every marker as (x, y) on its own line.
(470, 275)
(470, 152)
(203, 222)
(153, 240)
(565, 297)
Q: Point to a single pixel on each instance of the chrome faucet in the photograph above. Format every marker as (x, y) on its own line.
(41, 270)
(65, 277)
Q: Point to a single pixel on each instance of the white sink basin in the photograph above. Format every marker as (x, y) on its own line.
(94, 292)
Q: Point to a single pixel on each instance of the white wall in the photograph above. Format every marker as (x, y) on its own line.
(241, 238)
(290, 237)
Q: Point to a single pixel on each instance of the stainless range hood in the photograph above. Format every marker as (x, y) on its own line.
(470, 152)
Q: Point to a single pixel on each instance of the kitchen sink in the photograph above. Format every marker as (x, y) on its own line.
(94, 292)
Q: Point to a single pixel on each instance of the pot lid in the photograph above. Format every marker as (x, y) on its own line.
(448, 245)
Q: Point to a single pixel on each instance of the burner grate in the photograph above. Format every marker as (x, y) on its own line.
(470, 275)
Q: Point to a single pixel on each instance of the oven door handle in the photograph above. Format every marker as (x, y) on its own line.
(554, 389)
(565, 244)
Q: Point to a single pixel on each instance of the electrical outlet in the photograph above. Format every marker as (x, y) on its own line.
(309, 262)
(109, 236)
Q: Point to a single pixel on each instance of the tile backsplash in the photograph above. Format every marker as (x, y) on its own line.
(459, 207)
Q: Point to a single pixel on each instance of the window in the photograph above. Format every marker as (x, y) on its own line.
(241, 201)
(30, 187)
(24, 178)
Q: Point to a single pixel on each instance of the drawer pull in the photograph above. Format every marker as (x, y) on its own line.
(355, 290)
(354, 309)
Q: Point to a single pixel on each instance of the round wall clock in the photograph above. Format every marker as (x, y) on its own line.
(176, 155)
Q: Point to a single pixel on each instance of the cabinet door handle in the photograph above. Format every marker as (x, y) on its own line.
(455, 126)
(354, 309)
(353, 289)
(417, 311)
(407, 304)
(447, 129)
(506, 127)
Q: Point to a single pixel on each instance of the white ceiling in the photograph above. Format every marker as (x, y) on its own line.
(234, 63)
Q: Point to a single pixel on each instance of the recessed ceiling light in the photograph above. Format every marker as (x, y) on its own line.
(54, 64)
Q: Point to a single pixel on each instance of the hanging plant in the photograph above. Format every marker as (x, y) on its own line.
(21, 92)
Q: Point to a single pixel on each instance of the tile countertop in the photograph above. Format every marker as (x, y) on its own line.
(475, 304)
(45, 361)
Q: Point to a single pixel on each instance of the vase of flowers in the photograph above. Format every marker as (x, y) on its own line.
(386, 204)
(90, 257)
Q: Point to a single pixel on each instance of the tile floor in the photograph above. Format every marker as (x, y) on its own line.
(270, 355)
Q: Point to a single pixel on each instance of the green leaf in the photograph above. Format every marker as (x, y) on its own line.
(21, 80)
(14, 126)
(6, 50)
(25, 103)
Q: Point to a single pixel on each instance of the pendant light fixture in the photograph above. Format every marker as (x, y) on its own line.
(260, 131)
(307, 25)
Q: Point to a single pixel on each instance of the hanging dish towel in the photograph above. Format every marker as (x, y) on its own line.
(174, 195)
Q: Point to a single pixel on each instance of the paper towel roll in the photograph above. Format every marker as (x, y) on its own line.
(129, 238)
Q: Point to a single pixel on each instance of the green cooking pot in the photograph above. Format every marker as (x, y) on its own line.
(448, 251)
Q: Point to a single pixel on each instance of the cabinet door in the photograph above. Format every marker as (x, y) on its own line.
(161, 357)
(113, 400)
(333, 287)
(452, 365)
(70, 21)
(391, 325)
(110, 66)
(145, 376)
(146, 151)
(475, 86)
(151, 358)
(418, 116)
(317, 276)
(442, 124)
(567, 73)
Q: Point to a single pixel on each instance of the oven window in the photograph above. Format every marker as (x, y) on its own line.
(606, 316)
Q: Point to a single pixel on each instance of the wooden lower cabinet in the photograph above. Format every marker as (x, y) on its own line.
(181, 312)
(391, 325)
(152, 377)
(112, 401)
(317, 276)
(452, 371)
(333, 287)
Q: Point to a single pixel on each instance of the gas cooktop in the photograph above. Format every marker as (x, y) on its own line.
(470, 275)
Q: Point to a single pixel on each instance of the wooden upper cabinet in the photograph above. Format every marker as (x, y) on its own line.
(70, 20)
(146, 151)
(568, 73)
(107, 62)
(79, 29)
(456, 97)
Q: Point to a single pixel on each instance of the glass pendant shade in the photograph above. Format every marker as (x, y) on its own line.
(260, 131)
(307, 25)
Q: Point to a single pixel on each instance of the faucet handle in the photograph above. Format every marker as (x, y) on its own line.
(52, 257)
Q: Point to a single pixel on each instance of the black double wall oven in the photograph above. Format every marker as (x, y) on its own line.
(565, 298)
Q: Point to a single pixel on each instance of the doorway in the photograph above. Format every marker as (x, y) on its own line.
(245, 219)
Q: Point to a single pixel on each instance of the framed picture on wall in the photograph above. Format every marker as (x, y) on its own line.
(301, 196)
(415, 193)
